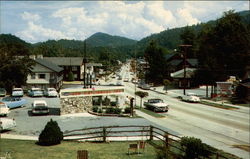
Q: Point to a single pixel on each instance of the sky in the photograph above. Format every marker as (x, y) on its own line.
(37, 21)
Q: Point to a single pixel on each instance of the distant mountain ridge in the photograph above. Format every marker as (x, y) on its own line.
(103, 39)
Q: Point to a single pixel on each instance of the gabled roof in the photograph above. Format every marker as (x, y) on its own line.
(49, 65)
(180, 73)
(175, 62)
(193, 62)
(65, 61)
(169, 56)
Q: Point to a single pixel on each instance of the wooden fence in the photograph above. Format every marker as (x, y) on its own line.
(168, 142)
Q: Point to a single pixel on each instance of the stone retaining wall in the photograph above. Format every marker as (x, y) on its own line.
(76, 104)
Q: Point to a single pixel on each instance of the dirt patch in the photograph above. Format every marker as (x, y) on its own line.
(243, 147)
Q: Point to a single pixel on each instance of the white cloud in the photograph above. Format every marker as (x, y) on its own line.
(137, 19)
(30, 17)
(35, 32)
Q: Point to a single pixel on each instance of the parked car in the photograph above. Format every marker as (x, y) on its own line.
(14, 102)
(17, 92)
(190, 97)
(2, 92)
(144, 86)
(6, 123)
(125, 80)
(50, 92)
(156, 105)
(35, 92)
(4, 110)
(40, 107)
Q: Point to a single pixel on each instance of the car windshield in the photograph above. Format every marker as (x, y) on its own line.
(17, 89)
(155, 101)
(40, 104)
(52, 89)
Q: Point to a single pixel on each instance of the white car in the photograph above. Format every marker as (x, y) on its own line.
(191, 97)
(40, 107)
(50, 92)
(6, 123)
(17, 92)
(4, 110)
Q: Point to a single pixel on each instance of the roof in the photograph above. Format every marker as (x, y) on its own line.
(168, 56)
(65, 61)
(175, 62)
(49, 65)
(180, 73)
(193, 62)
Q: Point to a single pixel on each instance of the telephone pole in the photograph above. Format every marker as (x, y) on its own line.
(185, 46)
(84, 61)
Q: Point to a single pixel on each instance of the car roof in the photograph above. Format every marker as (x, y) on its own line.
(39, 101)
(17, 89)
(35, 88)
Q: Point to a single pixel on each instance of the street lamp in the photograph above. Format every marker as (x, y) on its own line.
(184, 63)
(84, 61)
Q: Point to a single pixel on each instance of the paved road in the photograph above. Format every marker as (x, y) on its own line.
(217, 127)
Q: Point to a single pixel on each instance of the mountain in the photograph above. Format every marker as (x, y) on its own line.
(102, 39)
(170, 38)
(12, 39)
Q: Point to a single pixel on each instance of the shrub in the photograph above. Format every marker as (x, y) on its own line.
(71, 76)
(95, 109)
(106, 101)
(51, 134)
(100, 111)
(194, 148)
(113, 110)
(127, 110)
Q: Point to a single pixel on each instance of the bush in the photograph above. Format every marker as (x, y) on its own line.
(100, 111)
(127, 110)
(113, 110)
(51, 134)
(95, 109)
(194, 148)
(71, 76)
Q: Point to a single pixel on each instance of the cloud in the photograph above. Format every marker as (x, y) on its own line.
(35, 33)
(135, 19)
(30, 17)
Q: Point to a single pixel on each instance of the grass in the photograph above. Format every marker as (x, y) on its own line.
(21, 149)
(218, 105)
(157, 115)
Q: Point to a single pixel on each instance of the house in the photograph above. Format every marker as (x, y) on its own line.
(175, 62)
(73, 64)
(76, 66)
(45, 74)
(183, 81)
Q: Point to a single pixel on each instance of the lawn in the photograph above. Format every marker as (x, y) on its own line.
(149, 112)
(68, 150)
(217, 105)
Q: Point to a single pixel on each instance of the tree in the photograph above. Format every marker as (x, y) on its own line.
(166, 82)
(15, 65)
(71, 76)
(51, 134)
(194, 148)
(141, 94)
(188, 37)
(157, 65)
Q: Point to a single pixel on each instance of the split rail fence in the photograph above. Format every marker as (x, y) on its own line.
(159, 138)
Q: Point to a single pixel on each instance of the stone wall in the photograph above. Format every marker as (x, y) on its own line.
(76, 105)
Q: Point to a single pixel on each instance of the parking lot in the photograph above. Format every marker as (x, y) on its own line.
(28, 124)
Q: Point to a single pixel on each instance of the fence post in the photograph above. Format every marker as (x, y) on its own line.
(104, 133)
(217, 155)
(151, 133)
(166, 140)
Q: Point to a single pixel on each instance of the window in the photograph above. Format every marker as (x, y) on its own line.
(33, 76)
(74, 68)
(41, 76)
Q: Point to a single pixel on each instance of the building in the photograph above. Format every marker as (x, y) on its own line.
(78, 100)
(75, 65)
(183, 81)
(45, 74)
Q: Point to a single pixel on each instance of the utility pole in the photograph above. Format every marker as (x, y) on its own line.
(184, 67)
(84, 61)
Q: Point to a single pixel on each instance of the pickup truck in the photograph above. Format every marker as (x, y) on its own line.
(156, 105)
